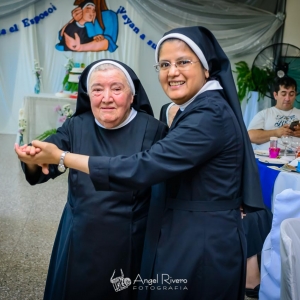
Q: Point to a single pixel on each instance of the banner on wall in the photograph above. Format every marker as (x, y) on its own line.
(94, 27)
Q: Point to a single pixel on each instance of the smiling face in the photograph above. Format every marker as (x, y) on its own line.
(285, 97)
(180, 85)
(110, 97)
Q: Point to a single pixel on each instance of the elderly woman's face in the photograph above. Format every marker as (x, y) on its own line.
(110, 97)
(181, 85)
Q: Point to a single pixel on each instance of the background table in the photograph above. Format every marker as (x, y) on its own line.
(40, 114)
(274, 182)
(267, 181)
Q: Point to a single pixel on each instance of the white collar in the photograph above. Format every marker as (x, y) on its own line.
(167, 111)
(131, 116)
(79, 25)
(208, 86)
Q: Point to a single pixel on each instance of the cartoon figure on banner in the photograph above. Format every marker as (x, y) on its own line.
(93, 28)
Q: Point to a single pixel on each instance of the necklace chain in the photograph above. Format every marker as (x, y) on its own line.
(288, 116)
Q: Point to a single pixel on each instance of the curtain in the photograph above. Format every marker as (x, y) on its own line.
(241, 29)
(20, 49)
(13, 6)
(231, 22)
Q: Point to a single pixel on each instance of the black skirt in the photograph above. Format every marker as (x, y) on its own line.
(257, 226)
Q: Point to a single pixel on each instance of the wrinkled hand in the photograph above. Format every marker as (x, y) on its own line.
(77, 14)
(285, 130)
(98, 38)
(73, 44)
(30, 150)
(40, 153)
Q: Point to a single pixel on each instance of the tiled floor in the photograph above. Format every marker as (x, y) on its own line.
(29, 217)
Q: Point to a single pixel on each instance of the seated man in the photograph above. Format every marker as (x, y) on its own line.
(275, 121)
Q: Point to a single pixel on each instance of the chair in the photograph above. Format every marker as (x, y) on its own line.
(286, 205)
(290, 259)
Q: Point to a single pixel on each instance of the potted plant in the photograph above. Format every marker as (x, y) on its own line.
(245, 83)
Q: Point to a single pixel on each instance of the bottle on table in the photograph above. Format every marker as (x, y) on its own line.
(273, 142)
(273, 150)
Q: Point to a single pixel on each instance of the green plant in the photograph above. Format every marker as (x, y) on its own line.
(69, 86)
(245, 83)
(64, 113)
(45, 134)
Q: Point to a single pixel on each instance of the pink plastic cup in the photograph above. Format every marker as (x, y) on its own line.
(274, 152)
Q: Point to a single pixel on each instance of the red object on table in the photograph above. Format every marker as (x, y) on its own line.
(73, 96)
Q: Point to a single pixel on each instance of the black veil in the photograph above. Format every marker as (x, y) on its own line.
(220, 69)
(140, 102)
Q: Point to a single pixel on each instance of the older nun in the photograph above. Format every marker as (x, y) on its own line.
(100, 237)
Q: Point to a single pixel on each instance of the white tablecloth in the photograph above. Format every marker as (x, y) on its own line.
(286, 180)
(40, 114)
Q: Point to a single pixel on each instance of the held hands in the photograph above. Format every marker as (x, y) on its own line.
(98, 38)
(40, 153)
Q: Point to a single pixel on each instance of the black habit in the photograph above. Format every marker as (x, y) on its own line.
(101, 233)
(196, 236)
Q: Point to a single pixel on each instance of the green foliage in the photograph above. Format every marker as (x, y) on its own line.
(71, 87)
(66, 79)
(45, 134)
(244, 80)
(246, 84)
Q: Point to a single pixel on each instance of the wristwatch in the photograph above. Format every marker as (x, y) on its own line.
(61, 167)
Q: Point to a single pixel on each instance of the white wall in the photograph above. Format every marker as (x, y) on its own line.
(292, 23)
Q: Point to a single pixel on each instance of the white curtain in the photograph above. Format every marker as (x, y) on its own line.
(238, 28)
(19, 49)
(11, 6)
(241, 29)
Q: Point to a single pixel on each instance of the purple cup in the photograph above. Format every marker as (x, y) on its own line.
(274, 152)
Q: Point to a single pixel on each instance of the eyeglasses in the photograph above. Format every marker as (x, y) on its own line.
(180, 64)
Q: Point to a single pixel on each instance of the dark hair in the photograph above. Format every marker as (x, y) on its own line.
(286, 82)
(169, 40)
(177, 39)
